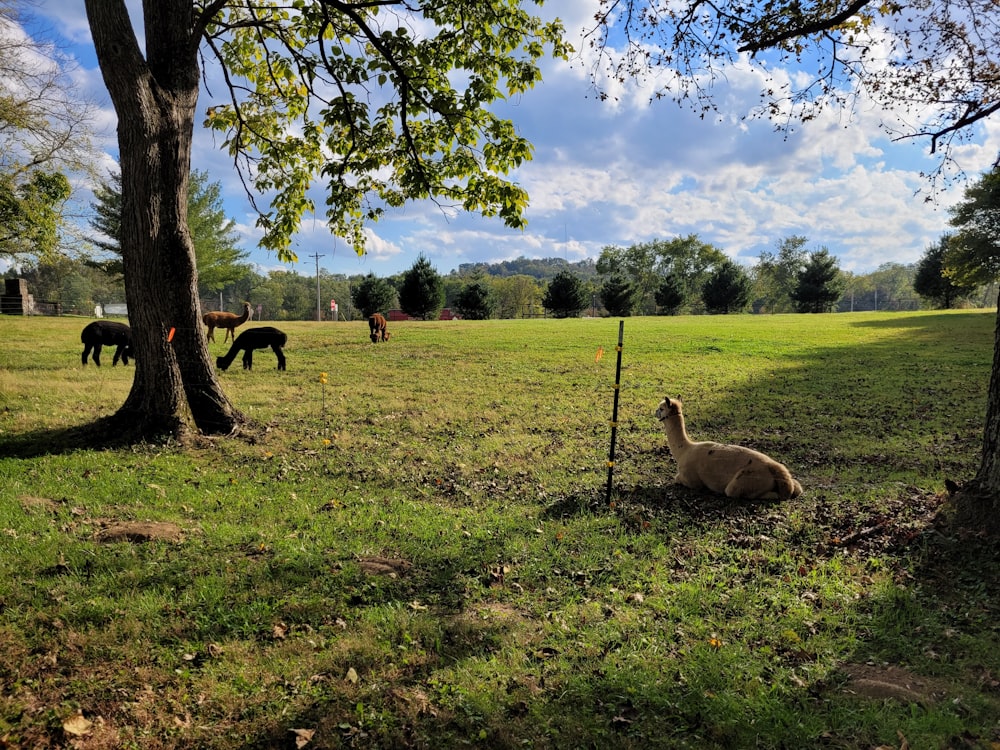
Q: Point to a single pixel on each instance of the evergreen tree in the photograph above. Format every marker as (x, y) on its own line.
(671, 294)
(618, 295)
(565, 296)
(931, 281)
(107, 221)
(216, 248)
(820, 284)
(476, 301)
(421, 293)
(372, 295)
(727, 290)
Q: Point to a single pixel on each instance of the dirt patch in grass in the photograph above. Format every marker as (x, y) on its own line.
(892, 683)
(32, 503)
(384, 566)
(139, 531)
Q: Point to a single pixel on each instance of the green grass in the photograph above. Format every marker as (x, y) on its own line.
(420, 553)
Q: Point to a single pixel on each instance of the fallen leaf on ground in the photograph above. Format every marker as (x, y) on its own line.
(77, 725)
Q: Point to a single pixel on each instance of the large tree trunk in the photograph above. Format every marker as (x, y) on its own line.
(155, 99)
(977, 504)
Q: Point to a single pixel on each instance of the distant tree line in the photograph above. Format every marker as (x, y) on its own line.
(683, 275)
(700, 280)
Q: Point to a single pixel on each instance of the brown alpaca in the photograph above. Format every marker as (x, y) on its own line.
(229, 321)
(731, 470)
(377, 329)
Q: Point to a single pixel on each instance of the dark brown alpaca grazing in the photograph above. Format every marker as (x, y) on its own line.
(255, 338)
(377, 328)
(102, 333)
(229, 321)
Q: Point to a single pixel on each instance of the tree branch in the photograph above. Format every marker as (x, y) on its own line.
(822, 24)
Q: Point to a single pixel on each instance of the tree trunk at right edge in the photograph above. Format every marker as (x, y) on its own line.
(977, 505)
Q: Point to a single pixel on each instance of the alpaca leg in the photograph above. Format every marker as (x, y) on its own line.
(248, 359)
(211, 332)
(97, 354)
(690, 481)
(86, 352)
(280, 355)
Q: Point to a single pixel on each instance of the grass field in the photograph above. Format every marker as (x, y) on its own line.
(420, 553)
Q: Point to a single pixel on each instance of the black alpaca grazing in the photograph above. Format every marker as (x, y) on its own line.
(102, 333)
(255, 338)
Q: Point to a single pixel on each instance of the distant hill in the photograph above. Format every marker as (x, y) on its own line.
(539, 268)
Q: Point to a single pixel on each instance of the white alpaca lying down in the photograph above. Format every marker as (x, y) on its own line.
(732, 470)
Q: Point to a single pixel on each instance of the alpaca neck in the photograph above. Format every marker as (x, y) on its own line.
(677, 437)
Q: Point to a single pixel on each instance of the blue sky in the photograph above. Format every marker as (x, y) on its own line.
(625, 171)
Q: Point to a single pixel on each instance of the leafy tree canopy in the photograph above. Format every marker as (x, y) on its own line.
(351, 94)
(931, 280)
(44, 134)
(31, 213)
(973, 255)
(646, 264)
(777, 273)
(517, 296)
(538, 268)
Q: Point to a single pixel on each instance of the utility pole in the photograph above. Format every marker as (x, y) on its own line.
(319, 307)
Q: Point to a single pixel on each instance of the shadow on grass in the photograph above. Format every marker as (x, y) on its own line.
(112, 432)
(98, 435)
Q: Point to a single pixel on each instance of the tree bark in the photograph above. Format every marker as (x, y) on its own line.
(977, 505)
(175, 387)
